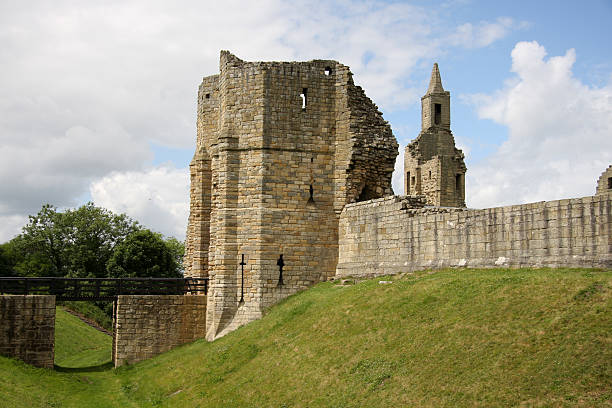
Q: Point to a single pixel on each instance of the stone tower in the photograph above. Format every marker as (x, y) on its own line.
(433, 166)
(281, 148)
(604, 184)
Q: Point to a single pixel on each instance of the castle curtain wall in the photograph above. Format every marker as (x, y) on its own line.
(387, 236)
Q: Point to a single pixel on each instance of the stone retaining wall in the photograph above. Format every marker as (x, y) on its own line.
(146, 326)
(27, 328)
(385, 236)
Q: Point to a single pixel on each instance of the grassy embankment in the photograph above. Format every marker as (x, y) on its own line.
(78, 345)
(451, 338)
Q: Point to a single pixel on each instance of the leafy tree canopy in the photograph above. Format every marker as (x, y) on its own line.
(7, 260)
(76, 242)
(145, 254)
(82, 242)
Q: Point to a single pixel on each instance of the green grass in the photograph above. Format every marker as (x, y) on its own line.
(91, 311)
(78, 345)
(454, 338)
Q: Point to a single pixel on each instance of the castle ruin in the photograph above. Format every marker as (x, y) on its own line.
(282, 147)
(291, 185)
(604, 183)
(433, 166)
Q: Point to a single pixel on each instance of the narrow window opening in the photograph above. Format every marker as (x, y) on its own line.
(311, 188)
(280, 264)
(407, 182)
(429, 173)
(458, 182)
(304, 96)
(609, 183)
(437, 113)
(207, 96)
(413, 180)
(328, 71)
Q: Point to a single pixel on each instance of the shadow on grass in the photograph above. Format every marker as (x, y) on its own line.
(102, 367)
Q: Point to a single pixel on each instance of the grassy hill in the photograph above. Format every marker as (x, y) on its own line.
(450, 338)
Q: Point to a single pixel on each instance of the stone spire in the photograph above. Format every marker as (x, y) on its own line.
(435, 83)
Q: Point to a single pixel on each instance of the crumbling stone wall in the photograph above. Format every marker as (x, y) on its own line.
(388, 236)
(27, 328)
(197, 245)
(282, 147)
(433, 166)
(604, 183)
(148, 325)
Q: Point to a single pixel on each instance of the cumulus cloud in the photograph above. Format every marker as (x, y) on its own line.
(157, 197)
(560, 132)
(86, 88)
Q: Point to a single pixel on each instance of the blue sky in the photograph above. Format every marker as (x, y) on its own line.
(97, 100)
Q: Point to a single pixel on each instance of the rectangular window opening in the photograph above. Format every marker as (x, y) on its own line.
(304, 96)
(458, 183)
(609, 183)
(437, 113)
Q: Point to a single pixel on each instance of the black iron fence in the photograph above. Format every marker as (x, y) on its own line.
(101, 288)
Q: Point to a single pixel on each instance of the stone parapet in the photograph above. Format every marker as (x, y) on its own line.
(148, 325)
(27, 328)
(382, 237)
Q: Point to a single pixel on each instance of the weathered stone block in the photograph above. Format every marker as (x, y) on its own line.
(157, 324)
(27, 328)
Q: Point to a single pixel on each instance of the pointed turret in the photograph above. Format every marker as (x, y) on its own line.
(433, 166)
(435, 104)
(435, 83)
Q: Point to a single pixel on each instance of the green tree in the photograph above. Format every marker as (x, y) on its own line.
(7, 260)
(143, 254)
(43, 244)
(94, 234)
(177, 248)
(76, 243)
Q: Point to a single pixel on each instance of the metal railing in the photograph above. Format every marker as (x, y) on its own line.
(101, 288)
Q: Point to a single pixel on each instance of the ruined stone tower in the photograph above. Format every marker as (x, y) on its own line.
(433, 166)
(282, 147)
(604, 183)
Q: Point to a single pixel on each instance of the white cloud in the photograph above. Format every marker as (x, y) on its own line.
(560, 133)
(10, 225)
(397, 180)
(158, 197)
(86, 88)
(485, 33)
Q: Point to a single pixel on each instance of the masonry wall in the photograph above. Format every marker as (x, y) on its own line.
(433, 166)
(386, 236)
(260, 153)
(148, 325)
(604, 183)
(27, 328)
